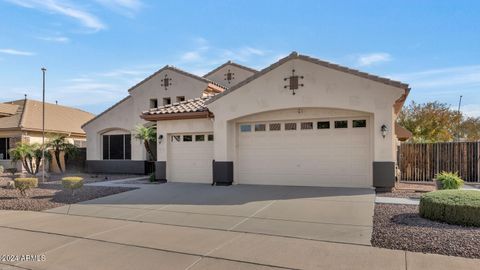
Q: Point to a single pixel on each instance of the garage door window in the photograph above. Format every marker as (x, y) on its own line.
(306, 125)
(187, 138)
(341, 124)
(359, 123)
(245, 128)
(199, 138)
(290, 126)
(210, 137)
(260, 127)
(275, 127)
(175, 138)
(323, 125)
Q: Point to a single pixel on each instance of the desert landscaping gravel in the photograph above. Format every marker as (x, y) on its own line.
(48, 196)
(400, 227)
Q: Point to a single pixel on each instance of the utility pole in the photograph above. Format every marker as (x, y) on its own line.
(459, 118)
(44, 70)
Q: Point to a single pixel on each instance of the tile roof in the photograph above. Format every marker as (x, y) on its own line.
(295, 55)
(58, 118)
(188, 106)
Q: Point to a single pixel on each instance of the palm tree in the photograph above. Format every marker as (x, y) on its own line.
(30, 155)
(147, 135)
(58, 143)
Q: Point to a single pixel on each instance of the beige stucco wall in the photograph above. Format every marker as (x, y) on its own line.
(240, 74)
(323, 88)
(124, 117)
(166, 128)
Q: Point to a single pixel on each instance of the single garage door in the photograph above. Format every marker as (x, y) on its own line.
(190, 158)
(321, 152)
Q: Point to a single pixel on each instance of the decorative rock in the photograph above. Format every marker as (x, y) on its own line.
(10, 185)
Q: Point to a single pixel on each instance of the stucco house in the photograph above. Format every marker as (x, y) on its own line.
(301, 121)
(21, 121)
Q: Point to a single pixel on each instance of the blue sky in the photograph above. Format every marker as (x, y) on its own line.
(95, 50)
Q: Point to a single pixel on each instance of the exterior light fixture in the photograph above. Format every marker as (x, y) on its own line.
(160, 138)
(384, 130)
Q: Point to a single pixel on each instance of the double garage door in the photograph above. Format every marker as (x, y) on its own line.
(328, 152)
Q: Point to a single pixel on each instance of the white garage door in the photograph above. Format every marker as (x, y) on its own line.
(331, 152)
(190, 158)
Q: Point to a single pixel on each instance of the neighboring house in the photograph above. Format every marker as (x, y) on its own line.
(300, 121)
(21, 121)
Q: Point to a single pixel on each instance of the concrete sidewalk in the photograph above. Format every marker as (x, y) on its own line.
(75, 242)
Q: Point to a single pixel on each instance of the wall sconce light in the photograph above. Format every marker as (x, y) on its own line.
(160, 138)
(384, 130)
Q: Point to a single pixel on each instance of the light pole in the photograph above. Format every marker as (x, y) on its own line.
(44, 70)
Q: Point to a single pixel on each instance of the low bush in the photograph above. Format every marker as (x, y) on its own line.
(72, 183)
(24, 184)
(460, 207)
(1, 169)
(450, 180)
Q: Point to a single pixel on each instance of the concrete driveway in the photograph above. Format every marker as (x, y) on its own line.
(215, 228)
(341, 215)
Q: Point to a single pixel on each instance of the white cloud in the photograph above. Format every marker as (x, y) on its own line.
(58, 39)
(16, 52)
(452, 77)
(471, 110)
(125, 7)
(191, 56)
(373, 58)
(64, 8)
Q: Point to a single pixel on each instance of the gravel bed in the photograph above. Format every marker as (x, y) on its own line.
(400, 227)
(90, 178)
(48, 196)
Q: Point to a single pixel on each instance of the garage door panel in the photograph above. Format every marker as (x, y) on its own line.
(190, 161)
(318, 157)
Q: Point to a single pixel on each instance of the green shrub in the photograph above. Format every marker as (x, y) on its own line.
(1, 169)
(24, 184)
(450, 180)
(72, 183)
(461, 207)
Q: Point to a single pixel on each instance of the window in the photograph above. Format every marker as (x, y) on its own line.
(210, 137)
(245, 128)
(359, 123)
(290, 126)
(167, 101)
(153, 103)
(117, 146)
(4, 148)
(275, 127)
(187, 138)
(306, 125)
(175, 138)
(180, 98)
(323, 125)
(341, 124)
(260, 127)
(79, 143)
(199, 138)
